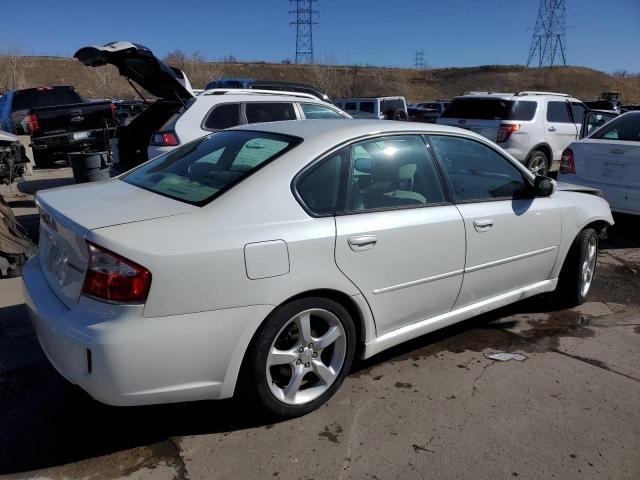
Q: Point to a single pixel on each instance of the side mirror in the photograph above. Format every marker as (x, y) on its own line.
(543, 186)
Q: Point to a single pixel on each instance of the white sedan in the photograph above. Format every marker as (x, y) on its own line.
(609, 160)
(269, 255)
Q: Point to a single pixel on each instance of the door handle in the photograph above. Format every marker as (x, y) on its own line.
(482, 225)
(552, 129)
(362, 242)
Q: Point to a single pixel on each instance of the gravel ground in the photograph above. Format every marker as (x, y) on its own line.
(435, 407)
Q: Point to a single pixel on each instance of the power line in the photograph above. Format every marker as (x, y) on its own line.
(304, 23)
(549, 35)
(418, 59)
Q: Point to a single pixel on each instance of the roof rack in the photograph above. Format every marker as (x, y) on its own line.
(473, 92)
(525, 93)
(242, 91)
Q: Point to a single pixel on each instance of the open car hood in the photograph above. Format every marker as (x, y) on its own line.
(139, 64)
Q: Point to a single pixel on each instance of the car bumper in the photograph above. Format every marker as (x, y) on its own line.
(122, 358)
(621, 199)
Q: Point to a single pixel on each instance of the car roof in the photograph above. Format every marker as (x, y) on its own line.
(341, 130)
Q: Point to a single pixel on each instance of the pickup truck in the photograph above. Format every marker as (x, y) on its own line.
(58, 120)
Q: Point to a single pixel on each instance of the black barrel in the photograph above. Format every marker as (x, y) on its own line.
(90, 166)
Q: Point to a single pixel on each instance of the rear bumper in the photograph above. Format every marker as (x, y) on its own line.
(121, 358)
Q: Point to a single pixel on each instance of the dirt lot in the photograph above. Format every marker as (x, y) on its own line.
(432, 408)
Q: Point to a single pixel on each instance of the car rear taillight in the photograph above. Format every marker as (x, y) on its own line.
(113, 110)
(505, 130)
(114, 278)
(32, 123)
(567, 163)
(165, 139)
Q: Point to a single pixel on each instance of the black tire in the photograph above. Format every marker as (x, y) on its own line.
(399, 115)
(255, 383)
(571, 283)
(538, 163)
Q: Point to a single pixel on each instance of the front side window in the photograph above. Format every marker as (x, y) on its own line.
(319, 187)
(477, 172)
(557, 112)
(269, 112)
(392, 172)
(223, 116)
(315, 111)
(198, 171)
(626, 128)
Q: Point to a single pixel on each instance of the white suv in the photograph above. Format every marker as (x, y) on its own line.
(217, 109)
(534, 127)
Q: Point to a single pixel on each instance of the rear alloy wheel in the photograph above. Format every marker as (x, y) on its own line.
(579, 267)
(302, 355)
(538, 163)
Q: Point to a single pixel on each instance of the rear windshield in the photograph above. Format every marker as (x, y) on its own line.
(45, 97)
(490, 109)
(201, 170)
(626, 128)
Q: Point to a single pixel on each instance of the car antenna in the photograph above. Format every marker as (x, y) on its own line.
(137, 91)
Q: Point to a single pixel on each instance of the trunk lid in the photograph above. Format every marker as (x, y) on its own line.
(610, 162)
(138, 63)
(486, 128)
(72, 118)
(67, 214)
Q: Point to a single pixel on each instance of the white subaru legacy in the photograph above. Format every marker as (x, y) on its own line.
(266, 256)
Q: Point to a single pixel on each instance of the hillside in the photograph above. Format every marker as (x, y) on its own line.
(339, 81)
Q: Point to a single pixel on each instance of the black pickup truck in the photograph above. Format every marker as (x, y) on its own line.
(60, 121)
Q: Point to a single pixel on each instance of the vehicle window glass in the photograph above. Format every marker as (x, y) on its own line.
(626, 127)
(389, 106)
(477, 172)
(557, 112)
(320, 186)
(196, 172)
(366, 107)
(45, 97)
(392, 172)
(350, 106)
(314, 111)
(269, 112)
(490, 109)
(577, 110)
(223, 116)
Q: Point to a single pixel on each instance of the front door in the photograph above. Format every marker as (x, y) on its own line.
(512, 238)
(400, 242)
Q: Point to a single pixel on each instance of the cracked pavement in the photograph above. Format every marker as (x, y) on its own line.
(434, 407)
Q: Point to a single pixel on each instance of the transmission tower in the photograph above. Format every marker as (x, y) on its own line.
(304, 23)
(418, 59)
(549, 35)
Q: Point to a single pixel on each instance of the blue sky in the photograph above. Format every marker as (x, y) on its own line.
(602, 34)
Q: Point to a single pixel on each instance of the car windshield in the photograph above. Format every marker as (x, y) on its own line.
(490, 109)
(201, 170)
(626, 128)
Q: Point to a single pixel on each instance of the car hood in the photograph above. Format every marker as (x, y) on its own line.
(113, 202)
(139, 64)
(570, 187)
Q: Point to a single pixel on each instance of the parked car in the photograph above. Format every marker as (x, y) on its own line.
(277, 85)
(13, 161)
(609, 160)
(383, 108)
(427, 112)
(534, 127)
(57, 118)
(218, 109)
(266, 256)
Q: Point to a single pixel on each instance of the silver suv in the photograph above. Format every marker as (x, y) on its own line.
(534, 127)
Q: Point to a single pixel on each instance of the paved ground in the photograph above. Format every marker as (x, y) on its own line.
(433, 408)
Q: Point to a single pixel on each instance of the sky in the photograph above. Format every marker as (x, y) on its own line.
(601, 34)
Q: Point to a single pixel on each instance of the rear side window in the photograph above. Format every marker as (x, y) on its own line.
(366, 107)
(490, 109)
(389, 106)
(197, 172)
(314, 111)
(350, 106)
(557, 112)
(223, 116)
(477, 172)
(319, 188)
(269, 112)
(625, 128)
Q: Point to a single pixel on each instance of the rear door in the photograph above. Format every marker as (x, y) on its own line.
(560, 129)
(400, 242)
(512, 238)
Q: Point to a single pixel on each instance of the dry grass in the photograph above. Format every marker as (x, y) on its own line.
(339, 81)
